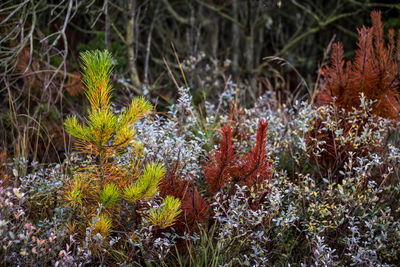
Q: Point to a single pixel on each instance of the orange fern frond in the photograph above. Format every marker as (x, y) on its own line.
(374, 73)
(336, 76)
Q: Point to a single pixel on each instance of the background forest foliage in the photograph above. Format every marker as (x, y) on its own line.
(216, 42)
(199, 133)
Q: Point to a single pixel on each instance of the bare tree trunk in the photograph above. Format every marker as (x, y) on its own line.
(259, 48)
(249, 49)
(215, 38)
(148, 46)
(235, 39)
(130, 33)
(107, 26)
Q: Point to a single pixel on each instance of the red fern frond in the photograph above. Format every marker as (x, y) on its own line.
(173, 186)
(398, 47)
(379, 42)
(251, 169)
(363, 75)
(398, 56)
(391, 44)
(220, 163)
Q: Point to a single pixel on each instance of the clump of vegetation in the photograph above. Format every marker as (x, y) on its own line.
(194, 206)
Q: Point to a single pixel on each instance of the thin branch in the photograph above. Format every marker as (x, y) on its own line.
(147, 57)
(119, 34)
(19, 6)
(314, 30)
(174, 14)
(222, 14)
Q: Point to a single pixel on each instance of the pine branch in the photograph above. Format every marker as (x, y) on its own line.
(374, 73)
(220, 163)
(254, 166)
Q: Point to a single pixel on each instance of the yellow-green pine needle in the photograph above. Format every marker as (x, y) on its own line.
(149, 181)
(102, 225)
(75, 129)
(146, 187)
(109, 196)
(74, 198)
(132, 193)
(123, 137)
(137, 110)
(166, 214)
(102, 124)
(97, 68)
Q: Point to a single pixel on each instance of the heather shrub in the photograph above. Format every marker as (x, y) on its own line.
(31, 218)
